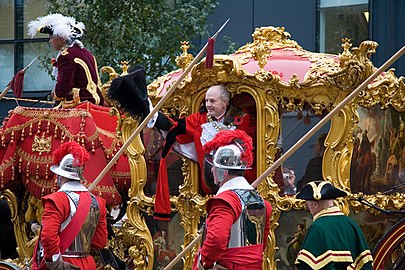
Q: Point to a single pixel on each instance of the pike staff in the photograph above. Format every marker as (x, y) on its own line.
(155, 109)
(301, 141)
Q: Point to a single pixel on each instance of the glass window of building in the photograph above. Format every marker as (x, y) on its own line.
(342, 19)
(17, 49)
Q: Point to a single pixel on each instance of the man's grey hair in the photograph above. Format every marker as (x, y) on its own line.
(224, 93)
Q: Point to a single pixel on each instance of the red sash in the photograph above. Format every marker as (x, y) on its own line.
(69, 233)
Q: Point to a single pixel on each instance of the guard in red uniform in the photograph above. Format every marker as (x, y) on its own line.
(188, 135)
(238, 218)
(74, 220)
(75, 67)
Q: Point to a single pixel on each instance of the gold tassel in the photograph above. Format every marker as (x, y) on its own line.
(19, 165)
(39, 127)
(48, 127)
(37, 172)
(46, 171)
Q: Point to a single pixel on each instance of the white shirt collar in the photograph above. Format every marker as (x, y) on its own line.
(235, 183)
(73, 186)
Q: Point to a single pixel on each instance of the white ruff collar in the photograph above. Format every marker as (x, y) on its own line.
(209, 131)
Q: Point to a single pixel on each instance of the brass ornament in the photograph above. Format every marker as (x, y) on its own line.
(42, 144)
(185, 58)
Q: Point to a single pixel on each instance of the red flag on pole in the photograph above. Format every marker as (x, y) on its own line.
(17, 83)
(209, 59)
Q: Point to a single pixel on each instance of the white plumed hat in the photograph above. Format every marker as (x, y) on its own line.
(57, 25)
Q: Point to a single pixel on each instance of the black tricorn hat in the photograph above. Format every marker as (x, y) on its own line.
(320, 190)
(131, 93)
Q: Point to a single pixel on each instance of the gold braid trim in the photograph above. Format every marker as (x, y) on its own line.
(7, 163)
(98, 76)
(323, 259)
(50, 113)
(60, 126)
(42, 159)
(107, 133)
(361, 260)
(52, 116)
(91, 86)
(120, 174)
(105, 189)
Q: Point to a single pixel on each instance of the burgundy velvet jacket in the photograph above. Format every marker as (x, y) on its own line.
(77, 68)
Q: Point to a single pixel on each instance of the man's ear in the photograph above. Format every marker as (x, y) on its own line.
(314, 204)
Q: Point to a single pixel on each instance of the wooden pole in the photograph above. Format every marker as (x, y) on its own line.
(151, 114)
(301, 141)
(30, 100)
(5, 91)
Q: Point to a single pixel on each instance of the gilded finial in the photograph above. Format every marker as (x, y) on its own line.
(346, 55)
(185, 58)
(124, 67)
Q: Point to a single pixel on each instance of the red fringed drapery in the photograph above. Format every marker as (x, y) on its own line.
(30, 135)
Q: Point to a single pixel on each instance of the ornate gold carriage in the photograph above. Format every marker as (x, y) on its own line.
(284, 87)
(272, 77)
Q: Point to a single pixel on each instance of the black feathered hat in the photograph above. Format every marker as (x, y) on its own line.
(131, 93)
(320, 190)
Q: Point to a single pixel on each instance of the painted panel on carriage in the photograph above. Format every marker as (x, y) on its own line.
(290, 235)
(374, 228)
(378, 161)
(167, 240)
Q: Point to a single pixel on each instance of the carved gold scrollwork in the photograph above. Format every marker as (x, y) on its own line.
(387, 89)
(104, 88)
(115, 112)
(260, 53)
(136, 233)
(272, 37)
(25, 246)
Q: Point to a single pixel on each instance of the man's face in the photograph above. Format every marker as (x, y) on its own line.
(56, 42)
(215, 104)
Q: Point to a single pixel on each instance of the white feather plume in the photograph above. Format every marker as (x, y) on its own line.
(61, 26)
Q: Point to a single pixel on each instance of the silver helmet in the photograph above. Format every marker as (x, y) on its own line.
(228, 157)
(68, 169)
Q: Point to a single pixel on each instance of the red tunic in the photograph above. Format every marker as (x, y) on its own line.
(56, 211)
(191, 134)
(222, 211)
(77, 68)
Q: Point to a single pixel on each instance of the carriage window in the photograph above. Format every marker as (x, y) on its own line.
(305, 164)
(17, 49)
